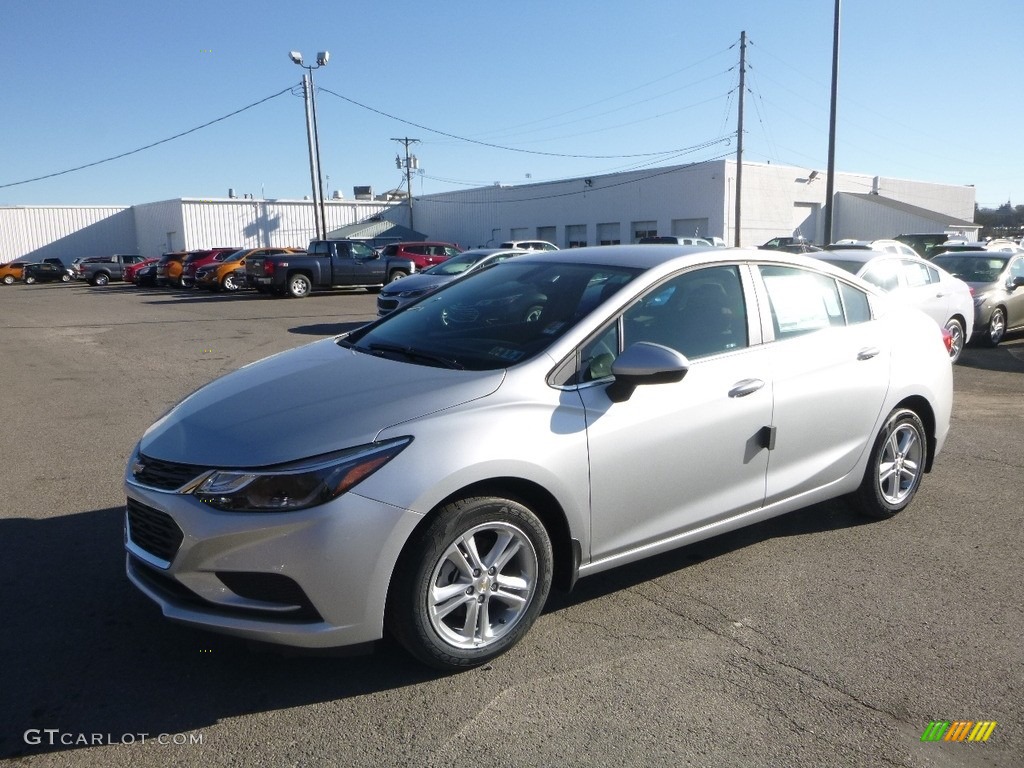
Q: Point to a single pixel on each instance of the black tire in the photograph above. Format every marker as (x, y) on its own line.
(895, 468)
(229, 283)
(8, 279)
(996, 328)
(101, 278)
(65, 278)
(397, 274)
(956, 332)
(29, 280)
(453, 616)
(299, 286)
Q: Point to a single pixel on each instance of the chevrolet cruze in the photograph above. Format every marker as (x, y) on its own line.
(432, 475)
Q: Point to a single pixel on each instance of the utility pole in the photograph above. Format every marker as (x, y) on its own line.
(411, 163)
(739, 135)
(307, 90)
(830, 181)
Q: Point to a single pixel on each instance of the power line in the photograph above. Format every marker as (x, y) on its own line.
(499, 146)
(148, 146)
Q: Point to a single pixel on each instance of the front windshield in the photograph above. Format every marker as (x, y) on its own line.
(495, 318)
(456, 265)
(973, 269)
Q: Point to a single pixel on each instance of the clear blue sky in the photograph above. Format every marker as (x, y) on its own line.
(928, 91)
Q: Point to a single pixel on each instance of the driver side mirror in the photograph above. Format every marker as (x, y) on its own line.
(645, 363)
(1016, 282)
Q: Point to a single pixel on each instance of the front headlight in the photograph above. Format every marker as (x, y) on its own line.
(299, 485)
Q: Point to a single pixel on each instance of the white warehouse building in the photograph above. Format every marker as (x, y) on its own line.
(697, 199)
(686, 200)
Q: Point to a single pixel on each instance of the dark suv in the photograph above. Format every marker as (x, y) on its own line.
(423, 255)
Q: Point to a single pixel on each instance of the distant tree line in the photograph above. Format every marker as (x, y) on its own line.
(1005, 221)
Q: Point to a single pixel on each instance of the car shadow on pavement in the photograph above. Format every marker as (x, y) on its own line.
(1008, 357)
(85, 653)
(325, 329)
(827, 516)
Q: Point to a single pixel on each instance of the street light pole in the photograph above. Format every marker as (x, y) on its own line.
(313, 135)
(306, 90)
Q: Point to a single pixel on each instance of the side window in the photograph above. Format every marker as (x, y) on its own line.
(855, 302)
(801, 301)
(915, 274)
(1017, 267)
(597, 355)
(698, 313)
(360, 251)
(449, 252)
(883, 275)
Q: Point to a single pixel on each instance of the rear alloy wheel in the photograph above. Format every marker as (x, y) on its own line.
(101, 279)
(895, 468)
(996, 327)
(65, 278)
(470, 586)
(956, 339)
(299, 286)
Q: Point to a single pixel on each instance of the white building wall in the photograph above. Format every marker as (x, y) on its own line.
(776, 200)
(65, 232)
(197, 223)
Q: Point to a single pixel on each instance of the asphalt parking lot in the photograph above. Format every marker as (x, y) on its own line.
(817, 639)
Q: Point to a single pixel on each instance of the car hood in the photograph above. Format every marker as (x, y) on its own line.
(417, 282)
(315, 399)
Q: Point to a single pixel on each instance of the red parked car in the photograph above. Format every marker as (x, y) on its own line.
(423, 255)
(132, 269)
(198, 259)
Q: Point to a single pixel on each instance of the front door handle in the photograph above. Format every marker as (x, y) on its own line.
(868, 352)
(745, 387)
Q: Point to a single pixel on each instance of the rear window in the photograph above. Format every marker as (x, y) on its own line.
(973, 269)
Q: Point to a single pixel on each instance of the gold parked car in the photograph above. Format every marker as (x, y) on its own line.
(222, 275)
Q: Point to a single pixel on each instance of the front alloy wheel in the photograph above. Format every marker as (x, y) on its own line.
(230, 284)
(472, 584)
(996, 327)
(896, 466)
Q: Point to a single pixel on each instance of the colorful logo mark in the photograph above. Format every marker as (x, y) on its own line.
(958, 730)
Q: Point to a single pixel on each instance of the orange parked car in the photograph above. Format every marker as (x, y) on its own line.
(12, 271)
(222, 275)
(169, 268)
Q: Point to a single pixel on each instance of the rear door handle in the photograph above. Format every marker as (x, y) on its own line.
(867, 353)
(745, 387)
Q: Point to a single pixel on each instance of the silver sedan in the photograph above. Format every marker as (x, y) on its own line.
(398, 293)
(433, 475)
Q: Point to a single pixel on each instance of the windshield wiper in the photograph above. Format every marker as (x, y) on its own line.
(414, 354)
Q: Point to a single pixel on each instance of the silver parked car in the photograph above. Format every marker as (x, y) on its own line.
(917, 283)
(996, 279)
(433, 474)
(399, 293)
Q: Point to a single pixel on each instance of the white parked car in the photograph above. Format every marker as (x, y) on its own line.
(434, 474)
(918, 283)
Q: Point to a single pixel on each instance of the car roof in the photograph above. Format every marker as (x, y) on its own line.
(490, 251)
(977, 254)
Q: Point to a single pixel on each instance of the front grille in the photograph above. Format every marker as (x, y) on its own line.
(387, 304)
(165, 475)
(153, 531)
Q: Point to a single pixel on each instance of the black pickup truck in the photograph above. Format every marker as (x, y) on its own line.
(325, 264)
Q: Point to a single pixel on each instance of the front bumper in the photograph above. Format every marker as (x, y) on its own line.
(313, 578)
